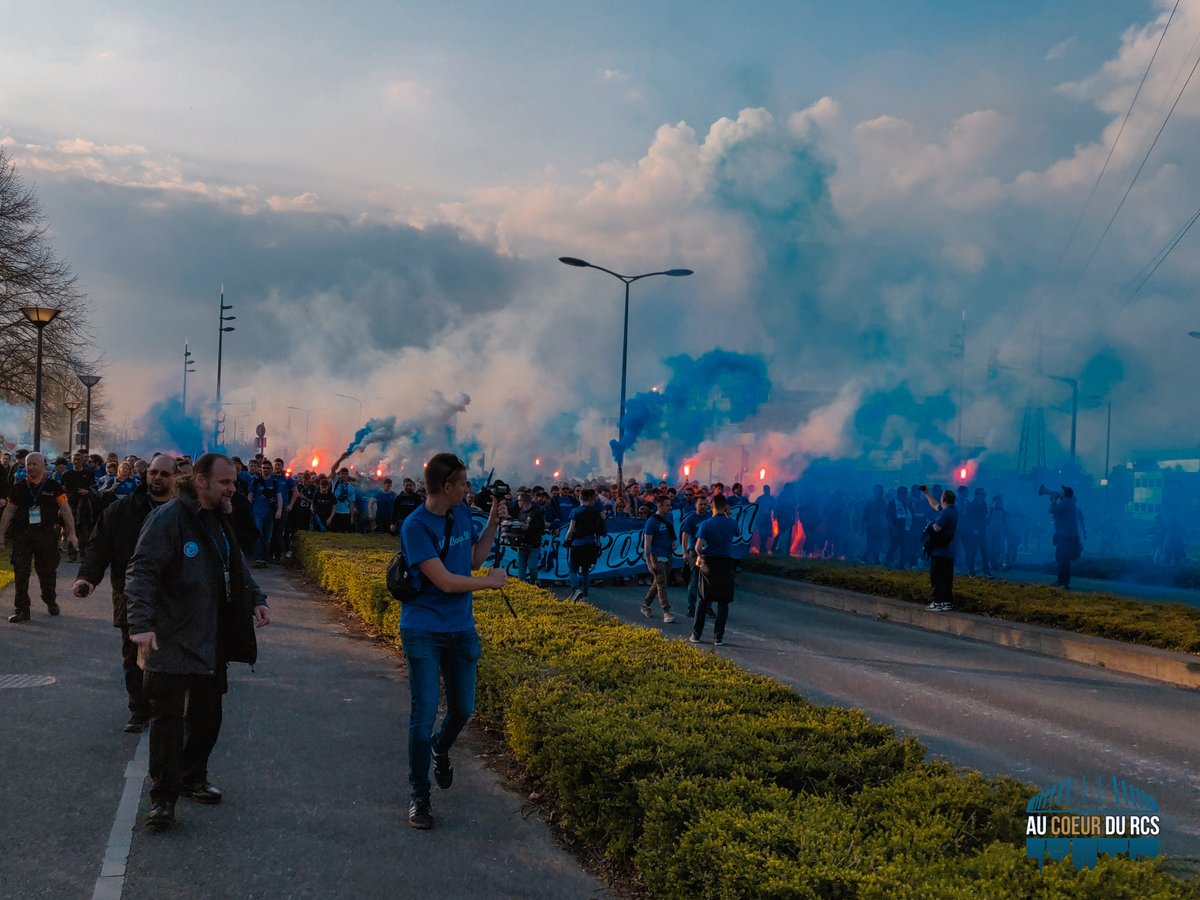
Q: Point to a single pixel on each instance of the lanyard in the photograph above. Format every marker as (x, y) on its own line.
(224, 557)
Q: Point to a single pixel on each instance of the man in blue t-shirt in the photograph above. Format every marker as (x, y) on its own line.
(442, 545)
(281, 537)
(714, 558)
(658, 546)
(687, 530)
(385, 507)
(345, 498)
(266, 504)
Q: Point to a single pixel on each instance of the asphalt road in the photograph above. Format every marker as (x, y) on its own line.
(311, 759)
(991, 708)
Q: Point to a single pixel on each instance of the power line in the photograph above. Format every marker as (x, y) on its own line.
(1153, 144)
(1116, 140)
(1163, 254)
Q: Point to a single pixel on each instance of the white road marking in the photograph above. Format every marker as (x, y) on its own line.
(111, 882)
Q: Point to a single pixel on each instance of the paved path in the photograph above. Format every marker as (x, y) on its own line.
(311, 759)
(995, 709)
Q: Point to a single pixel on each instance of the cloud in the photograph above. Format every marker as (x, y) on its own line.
(1059, 50)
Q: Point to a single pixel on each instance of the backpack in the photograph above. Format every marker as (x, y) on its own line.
(399, 581)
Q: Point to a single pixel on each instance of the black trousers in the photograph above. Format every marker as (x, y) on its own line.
(35, 549)
(135, 681)
(941, 578)
(716, 589)
(185, 721)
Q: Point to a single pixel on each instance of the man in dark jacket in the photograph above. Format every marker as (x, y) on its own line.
(192, 608)
(111, 547)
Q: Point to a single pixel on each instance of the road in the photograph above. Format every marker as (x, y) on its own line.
(311, 759)
(998, 710)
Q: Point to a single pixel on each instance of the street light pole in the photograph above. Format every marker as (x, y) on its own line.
(628, 279)
(39, 317)
(356, 400)
(89, 382)
(1074, 384)
(305, 411)
(187, 363)
(221, 329)
(71, 406)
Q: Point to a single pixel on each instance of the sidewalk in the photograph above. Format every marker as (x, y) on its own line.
(312, 760)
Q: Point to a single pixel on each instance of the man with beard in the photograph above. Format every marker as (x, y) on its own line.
(110, 547)
(78, 482)
(407, 501)
(34, 509)
(192, 607)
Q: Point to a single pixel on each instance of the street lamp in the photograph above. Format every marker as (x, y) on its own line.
(71, 406)
(356, 400)
(1074, 406)
(628, 279)
(89, 382)
(187, 368)
(221, 329)
(305, 411)
(1195, 334)
(39, 317)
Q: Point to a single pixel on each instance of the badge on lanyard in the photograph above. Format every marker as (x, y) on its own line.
(35, 514)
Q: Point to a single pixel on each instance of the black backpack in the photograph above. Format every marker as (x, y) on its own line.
(399, 581)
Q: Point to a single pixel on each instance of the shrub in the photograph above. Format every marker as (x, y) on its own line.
(715, 782)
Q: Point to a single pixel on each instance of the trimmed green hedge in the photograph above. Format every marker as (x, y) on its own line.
(6, 573)
(1169, 626)
(711, 781)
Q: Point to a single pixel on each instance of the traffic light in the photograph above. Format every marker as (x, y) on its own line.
(81, 434)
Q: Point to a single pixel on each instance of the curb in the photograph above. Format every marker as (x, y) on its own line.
(1180, 669)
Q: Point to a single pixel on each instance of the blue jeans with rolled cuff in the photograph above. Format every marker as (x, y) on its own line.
(454, 656)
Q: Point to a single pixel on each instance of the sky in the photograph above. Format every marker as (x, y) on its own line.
(384, 190)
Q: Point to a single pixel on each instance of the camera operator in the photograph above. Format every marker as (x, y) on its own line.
(940, 547)
(583, 537)
(530, 525)
(1067, 545)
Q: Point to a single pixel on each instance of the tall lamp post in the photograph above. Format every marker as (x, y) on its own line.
(39, 317)
(89, 382)
(221, 329)
(628, 279)
(1074, 385)
(187, 370)
(305, 411)
(356, 400)
(72, 406)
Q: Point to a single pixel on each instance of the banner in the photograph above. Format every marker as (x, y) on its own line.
(621, 551)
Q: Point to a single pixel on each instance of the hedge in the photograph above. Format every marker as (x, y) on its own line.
(711, 781)
(6, 573)
(1169, 626)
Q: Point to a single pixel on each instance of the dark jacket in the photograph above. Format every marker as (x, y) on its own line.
(112, 543)
(175, 587)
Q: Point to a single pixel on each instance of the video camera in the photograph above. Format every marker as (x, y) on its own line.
(515, 533)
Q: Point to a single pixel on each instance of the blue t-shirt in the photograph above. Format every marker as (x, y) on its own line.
(947, 521)
(285, 484)
(718, 534)
(343, 495)
(662, 536)
(422, 535)
(692, 521)
(578, 538)
(263, 492)
(125, 487)
(385, 505)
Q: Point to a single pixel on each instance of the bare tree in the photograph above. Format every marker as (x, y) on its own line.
(32, 274)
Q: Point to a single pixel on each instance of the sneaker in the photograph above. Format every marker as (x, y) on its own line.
(692, 639)
(645, 611)
(21, 615)
(420, 814)
(53, 609)
(719, 642)
(668, 619)
(443, 772)
(934, 606)
(160, 818)
(691, 613)
(136, 724)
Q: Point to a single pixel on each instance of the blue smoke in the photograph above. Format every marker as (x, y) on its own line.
(702, 396)
(165, 427)
(360, 436)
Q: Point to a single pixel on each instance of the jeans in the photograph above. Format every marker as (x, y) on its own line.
(527, 563)
(265, 523)
(453, 655)
(693, 593)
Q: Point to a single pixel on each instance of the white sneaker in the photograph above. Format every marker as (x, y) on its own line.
(692, 639)
(668, 619)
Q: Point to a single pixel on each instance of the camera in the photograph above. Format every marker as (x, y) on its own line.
(515, 533)
(501, 490)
